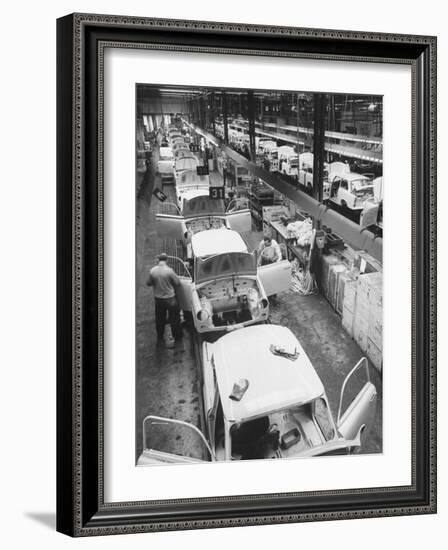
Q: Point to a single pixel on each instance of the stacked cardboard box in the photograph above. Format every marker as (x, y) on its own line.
(358, 298)
(328, 262)
(334, 283)
(375, 337)
(362, 312)
(349, 286)
(368, 262)
(368, 318)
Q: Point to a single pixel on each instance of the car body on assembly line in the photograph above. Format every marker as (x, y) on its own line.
(165, 164)
(195, 211)
(190, 180)
(223, 287)
(262, 398)
(288, 161)
(350, 190)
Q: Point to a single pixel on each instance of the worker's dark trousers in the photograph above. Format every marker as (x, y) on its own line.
(168, 306)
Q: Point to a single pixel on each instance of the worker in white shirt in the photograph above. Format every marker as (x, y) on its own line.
(269, 251)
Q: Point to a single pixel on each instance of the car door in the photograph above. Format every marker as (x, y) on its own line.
(275, 277)
(345, 195)
(240, 221)
(359, 415)
(170, 226)
(184, 292)
(309, 177)
(334, 188)
(173, 441)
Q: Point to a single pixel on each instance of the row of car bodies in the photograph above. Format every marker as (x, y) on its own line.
(281, 410)
(176, 156)
(261, 396)
(347, 189)
(222, 284)
(341, 186)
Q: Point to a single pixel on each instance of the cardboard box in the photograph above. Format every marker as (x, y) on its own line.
(333, 282)
(345, 281)
(375, 355)
(327, 262)
(371, 265)
(376, 326)
(350, 291)
(360, 336)
(347, 320)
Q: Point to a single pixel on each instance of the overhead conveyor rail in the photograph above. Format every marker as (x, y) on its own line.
(355, 236)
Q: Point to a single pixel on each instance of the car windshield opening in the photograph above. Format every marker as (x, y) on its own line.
(203, 205)
(225, 265)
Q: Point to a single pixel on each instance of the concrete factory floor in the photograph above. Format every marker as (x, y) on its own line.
(167, 379)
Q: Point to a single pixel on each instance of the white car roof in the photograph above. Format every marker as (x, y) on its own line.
(166, 151)
(186, 163)
(275, 383)
(306, 157)
(191, 177)
(217, 241)
(287, 150)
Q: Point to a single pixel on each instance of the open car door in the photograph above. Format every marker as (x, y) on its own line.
(173, 441)
(359, 416)
(183, 293)
(275, 277)
(239, 220)
(170, 226)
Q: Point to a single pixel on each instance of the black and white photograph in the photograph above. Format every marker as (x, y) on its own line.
(259, 274)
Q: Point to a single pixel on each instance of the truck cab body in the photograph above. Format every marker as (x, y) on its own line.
(270, 151)
(351, 190)
(288, 161)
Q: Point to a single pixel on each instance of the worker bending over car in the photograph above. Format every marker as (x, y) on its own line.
(269, 251)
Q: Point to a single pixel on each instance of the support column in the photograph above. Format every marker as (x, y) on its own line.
(224, 118)
(319, 145)
(212, 112)
(205, 103)
(251, 118)
(201, 112)
(315, 264)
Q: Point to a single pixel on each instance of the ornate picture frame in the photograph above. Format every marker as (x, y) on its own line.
(81, 42)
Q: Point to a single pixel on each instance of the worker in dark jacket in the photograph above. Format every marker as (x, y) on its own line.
(165, 284)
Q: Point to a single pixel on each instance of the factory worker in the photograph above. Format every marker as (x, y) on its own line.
(269, 251)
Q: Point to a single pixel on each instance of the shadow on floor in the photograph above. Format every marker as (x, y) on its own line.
(47, 519)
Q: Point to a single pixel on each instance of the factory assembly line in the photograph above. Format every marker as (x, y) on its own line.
(276, 250)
